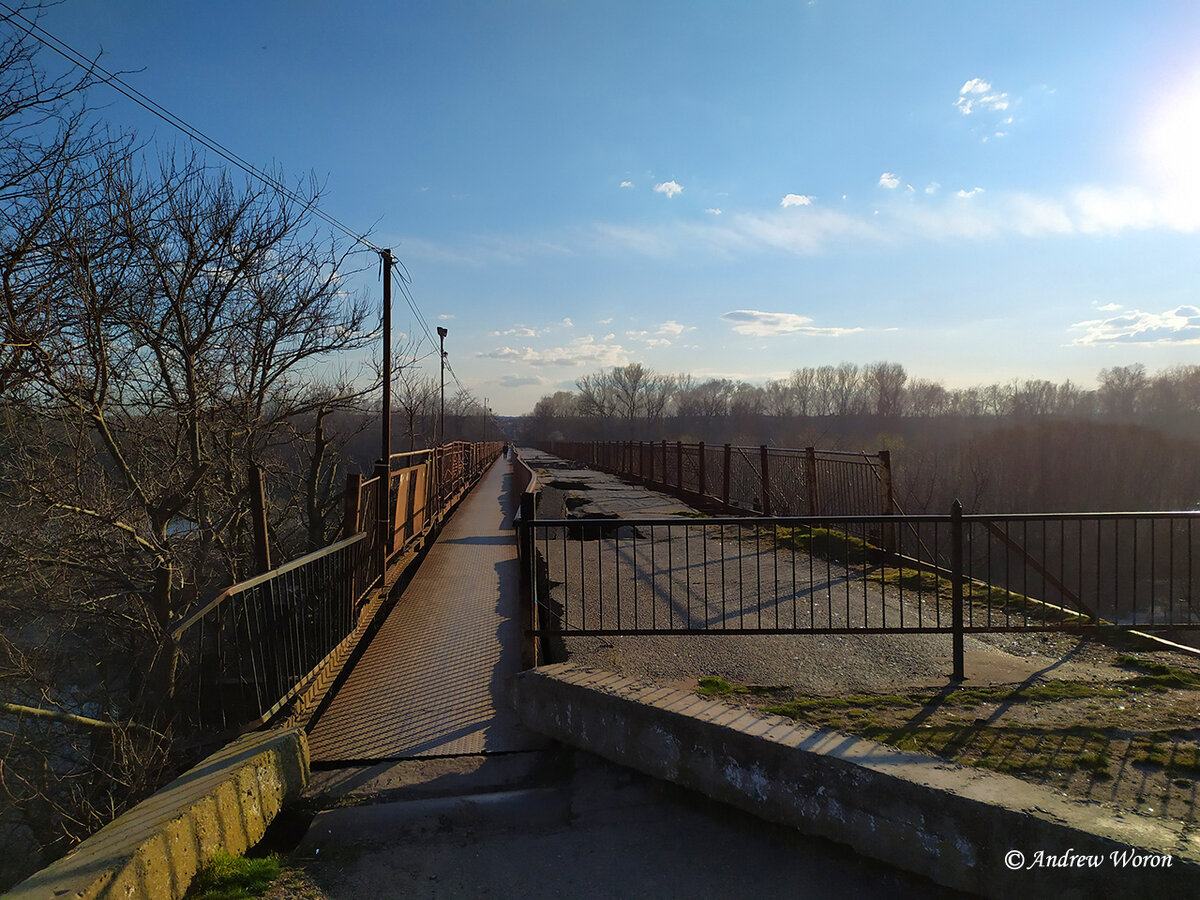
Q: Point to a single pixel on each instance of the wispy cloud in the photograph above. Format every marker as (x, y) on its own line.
(516, 381)
(977, 94)
(941, 216)
(889, 181)
(670, 188)
(1176, 326)
(796, 200)
(517, 331)
(583, 351)
(626, 184)
(770, 324)
(713, 211)
(673, 327)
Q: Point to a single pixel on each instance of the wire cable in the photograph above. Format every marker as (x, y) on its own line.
(73, 56)
(398, 272)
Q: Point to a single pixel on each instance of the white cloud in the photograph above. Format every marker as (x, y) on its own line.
(626, 184)
(796, 200)
(889, 181)
(970, 193)
(713, 211)
(582, 352)
(1176, 326)
(445, 316)
(517, 331)
(673, 327)
(657, 342)
(636, 335)
(978, 94)
(1108, 307)
(769, 324)
(567, 323)
(932, 188)
(606, 321)
(516, 381)
(670, 188)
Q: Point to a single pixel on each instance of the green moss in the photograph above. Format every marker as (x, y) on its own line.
(234, 877)
(1159, 676)
(827, 543)
(715, 686)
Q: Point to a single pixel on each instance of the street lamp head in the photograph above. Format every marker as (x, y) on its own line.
(442, 332)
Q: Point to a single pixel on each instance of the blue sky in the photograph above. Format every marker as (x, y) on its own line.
(980, 192)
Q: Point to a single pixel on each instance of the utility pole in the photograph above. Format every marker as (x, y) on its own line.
(442, 332)
(385, 453)
(383, 469)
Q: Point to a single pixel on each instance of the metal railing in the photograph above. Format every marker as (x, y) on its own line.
(953, 574)
(767, 480)
(244, 655)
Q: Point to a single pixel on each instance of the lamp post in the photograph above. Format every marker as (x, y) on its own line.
(442, 332)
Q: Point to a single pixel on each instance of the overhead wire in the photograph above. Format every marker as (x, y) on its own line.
(73, 56)
(398, 272)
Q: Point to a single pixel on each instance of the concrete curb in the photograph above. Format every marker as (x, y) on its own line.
(951, 823)
(154, 849)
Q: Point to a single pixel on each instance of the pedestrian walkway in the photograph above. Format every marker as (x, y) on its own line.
(433, 681)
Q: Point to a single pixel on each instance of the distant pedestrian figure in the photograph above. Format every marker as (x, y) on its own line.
(505, 450)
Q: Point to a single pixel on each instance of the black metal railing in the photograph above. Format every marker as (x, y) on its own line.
(953, 574)
(244, 655)
(766, 480)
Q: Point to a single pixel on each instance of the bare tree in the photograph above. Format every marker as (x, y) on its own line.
(1121, 390)
(884, 383)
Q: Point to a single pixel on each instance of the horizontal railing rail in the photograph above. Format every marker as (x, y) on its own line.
(954, 574)
(245, 654)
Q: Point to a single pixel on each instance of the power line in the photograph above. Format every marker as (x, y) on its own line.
(73, 56)
(399, 272)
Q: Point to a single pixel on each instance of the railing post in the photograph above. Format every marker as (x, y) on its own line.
(810, 467)
(725, 480)
(700, 468)
(528, 613)
(258, 513)
(664, 461)
(956, 580)
(766, 479)
(383, 516)
(678, 466)
(885, 482)
(350, 524)
(649, 451)
(886, 499)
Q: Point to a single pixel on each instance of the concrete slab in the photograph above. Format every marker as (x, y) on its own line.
(966, 828)
(589, 830)
(154, 850)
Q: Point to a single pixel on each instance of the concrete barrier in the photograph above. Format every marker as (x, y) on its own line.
(957, 825)
(154, 849)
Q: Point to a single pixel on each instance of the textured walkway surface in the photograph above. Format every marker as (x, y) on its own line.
(434, 680)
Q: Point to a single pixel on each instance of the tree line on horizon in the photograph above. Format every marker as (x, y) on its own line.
(1024, 446)
(637, 395)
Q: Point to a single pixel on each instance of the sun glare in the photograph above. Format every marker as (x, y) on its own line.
(1171, 146)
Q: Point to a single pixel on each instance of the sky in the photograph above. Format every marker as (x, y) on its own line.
(980, 192)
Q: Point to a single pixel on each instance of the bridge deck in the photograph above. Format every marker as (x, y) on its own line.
(433, 681)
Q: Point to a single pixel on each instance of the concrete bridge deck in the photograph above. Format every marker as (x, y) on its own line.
(433, 681)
